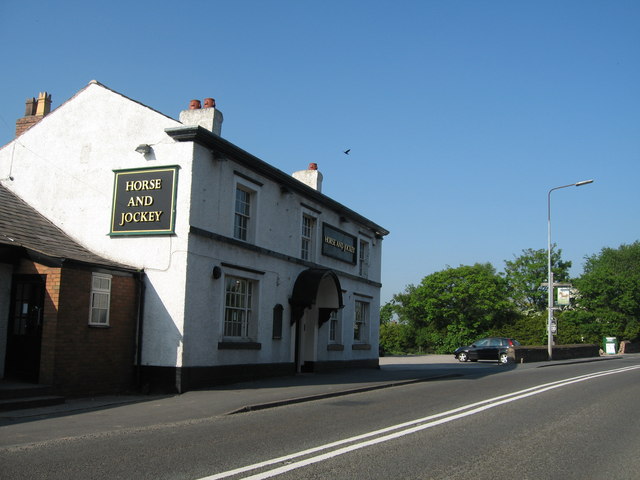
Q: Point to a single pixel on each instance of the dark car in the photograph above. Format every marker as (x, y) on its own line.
(492, 348)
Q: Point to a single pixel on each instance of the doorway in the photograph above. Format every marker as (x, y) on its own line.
(25, 328)
(316, 293)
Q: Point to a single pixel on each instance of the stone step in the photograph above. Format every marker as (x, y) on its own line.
(10, 390)
(22, 403)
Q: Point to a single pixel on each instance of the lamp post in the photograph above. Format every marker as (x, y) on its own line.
(549, 272)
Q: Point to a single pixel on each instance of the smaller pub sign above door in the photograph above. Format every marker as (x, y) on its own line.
(338, 244)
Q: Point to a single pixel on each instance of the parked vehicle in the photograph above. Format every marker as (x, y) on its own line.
(492, 348)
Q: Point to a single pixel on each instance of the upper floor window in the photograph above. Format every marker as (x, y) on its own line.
(100, 299)
(307, 234)
(363, 259)
(242, 214)
(238, 307)
(361, 322)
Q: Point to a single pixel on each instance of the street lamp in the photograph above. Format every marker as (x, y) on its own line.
(549, 272)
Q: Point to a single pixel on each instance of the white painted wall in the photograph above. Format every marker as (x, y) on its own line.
(64, 166)
(278, 219)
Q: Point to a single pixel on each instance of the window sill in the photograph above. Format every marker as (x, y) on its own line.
(239, 346)
(98, 325)
(360, 346)
(335, 347)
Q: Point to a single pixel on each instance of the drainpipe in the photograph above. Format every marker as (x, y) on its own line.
(138, 361)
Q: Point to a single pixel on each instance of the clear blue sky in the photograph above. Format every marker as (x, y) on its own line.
(460, 114)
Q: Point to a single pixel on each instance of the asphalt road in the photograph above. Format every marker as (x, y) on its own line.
(575, 421)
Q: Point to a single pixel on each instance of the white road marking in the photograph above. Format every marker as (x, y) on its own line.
(404, 429)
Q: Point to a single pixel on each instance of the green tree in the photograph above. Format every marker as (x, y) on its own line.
(455, 306)
(386, 313)
(396, 339)
(609, 294)
(576, 326)
(526, 273)
(528, 329)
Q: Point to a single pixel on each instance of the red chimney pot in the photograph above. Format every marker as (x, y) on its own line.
(313, 166)
(209, 103)
(194, 105)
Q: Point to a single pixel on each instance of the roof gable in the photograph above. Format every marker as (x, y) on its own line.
(22, 226)
(92, 102)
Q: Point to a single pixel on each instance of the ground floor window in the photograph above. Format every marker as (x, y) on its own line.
(238, 307)
(361, 321)
(277, 322)
(334, 327)
(100, 299)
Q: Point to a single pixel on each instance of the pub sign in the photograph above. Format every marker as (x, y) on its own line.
(338, 244)
(144, 201)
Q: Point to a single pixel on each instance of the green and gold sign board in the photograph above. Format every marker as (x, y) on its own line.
(338, 244)
(144, 201)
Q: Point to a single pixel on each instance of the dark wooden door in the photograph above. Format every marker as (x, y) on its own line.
(25, 328)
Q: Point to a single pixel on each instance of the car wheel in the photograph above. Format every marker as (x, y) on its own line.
(463, 356)
(504, 358)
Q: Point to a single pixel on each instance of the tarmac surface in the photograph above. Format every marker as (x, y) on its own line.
(142, 410)
(264, 393)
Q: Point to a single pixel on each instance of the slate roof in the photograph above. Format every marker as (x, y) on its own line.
(23, 226)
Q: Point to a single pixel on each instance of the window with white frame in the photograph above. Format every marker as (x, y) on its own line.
(100, 299)
(361, 321)
(242, 218)
(363, 259)
(238, 307)
(334, 327)
(307, 234)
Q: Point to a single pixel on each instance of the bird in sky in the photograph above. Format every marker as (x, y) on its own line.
(346, 152)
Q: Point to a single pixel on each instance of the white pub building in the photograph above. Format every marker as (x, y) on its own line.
(222, 267)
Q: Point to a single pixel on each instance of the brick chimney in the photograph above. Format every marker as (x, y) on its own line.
(35, 111)
(311, 177)
(208, 117)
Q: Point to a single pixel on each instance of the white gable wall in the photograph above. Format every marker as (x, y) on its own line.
(63, 167)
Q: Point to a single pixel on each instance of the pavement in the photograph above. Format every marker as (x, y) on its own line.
(265, 393)
(107, 413)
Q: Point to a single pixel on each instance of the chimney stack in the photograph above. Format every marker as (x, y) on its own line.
(35, 111)
(311, 177)
(208, 117)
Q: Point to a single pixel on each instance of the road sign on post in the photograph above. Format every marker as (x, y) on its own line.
(564, 295)
(610, 345)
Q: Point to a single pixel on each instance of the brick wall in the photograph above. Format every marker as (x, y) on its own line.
(629, 347)
(526, 354)
(25, 123)
(95, 359)
(78, 359)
